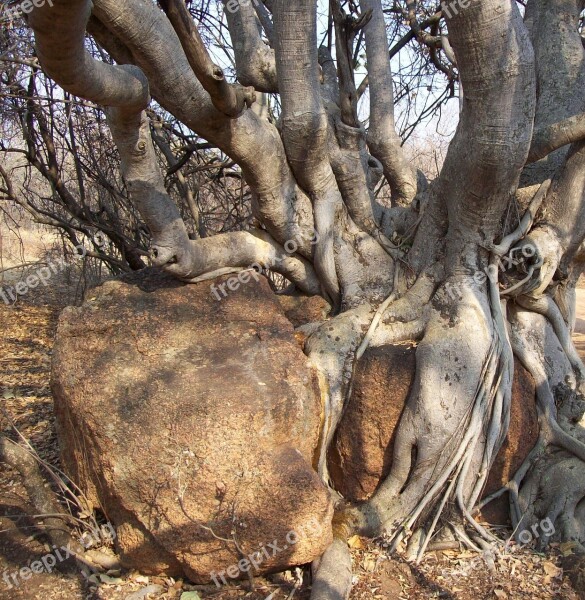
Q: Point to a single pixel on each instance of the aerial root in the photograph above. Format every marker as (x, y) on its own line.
(336, 365)
(456, 471)
(551, 432)
(513, 486)
(525, 223)
(488, 419)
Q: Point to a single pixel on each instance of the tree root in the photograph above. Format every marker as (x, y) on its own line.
(411, 309)
(336, 347)
(547, 307)
(551, 431)
(332, 573)
(42, 497)
(332, 351)
(414, 488)
(49, 509)
(456, 474)
(541, 489)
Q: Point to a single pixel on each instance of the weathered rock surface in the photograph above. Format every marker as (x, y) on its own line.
(192, 422)
(361, 456)
(300, 310)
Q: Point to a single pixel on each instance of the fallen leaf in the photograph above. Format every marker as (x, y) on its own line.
(110, 580)
(356, 542)
(145, 592)
(552, 570)
(567, 548)
(369, 564)
(190, 596)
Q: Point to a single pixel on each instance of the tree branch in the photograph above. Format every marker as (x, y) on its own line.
(555, 136)
(305, 127)
(490, 147)
(266, 21)
(60, 35)
(246, 250)
(383, 140)
(250, 141)
(229, 99)
(254, 59)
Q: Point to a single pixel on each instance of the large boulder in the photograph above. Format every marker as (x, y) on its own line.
(192, 423)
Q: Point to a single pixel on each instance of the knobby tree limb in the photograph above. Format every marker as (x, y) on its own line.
(229, 99)
(383, 141)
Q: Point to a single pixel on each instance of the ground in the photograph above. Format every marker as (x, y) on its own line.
(25, 356)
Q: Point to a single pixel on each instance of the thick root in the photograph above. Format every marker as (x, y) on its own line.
(332, 573)
(453, 424)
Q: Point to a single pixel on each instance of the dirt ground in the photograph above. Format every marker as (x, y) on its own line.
(25, 354)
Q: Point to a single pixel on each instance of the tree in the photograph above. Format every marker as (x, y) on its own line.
(444, 265)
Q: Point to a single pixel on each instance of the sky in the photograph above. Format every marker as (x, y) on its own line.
(442, 125)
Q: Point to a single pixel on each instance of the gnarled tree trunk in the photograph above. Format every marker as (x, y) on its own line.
(415, 271)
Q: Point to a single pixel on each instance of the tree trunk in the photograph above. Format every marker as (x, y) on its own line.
(442, 267)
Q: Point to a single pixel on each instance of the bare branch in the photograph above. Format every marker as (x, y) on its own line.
(265, 20)
(345, 30)
(383, 140)
(555, 136)
(124, 90)
(231, 100)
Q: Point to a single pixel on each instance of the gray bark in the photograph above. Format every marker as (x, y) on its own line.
(524, 83)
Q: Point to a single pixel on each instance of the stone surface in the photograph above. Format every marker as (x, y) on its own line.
(300, 310)
(361, 455)
(192, 422)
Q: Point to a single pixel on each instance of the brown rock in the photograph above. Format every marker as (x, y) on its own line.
(300, 310)
(522, 437)
(192, 422)
(361, 456)
(362, 451)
